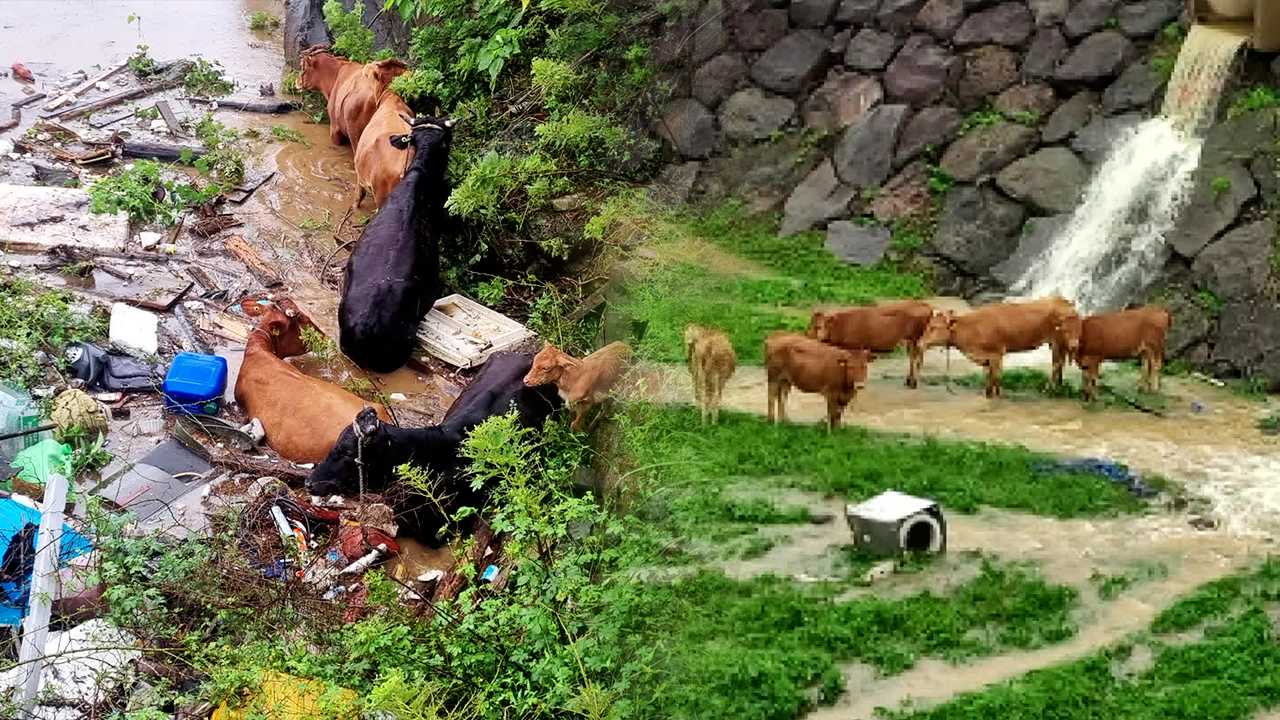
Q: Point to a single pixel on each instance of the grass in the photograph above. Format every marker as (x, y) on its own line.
(263, 21)
(1024, 383)
(33, 319)
(1258, 97)
(1231, 673)
(288, 134)
(801, 274)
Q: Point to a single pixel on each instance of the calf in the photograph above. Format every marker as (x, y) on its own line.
(711, 363)
(581, 382)
(302, 416)
(380, 165)
(812, 366)
(392, 277)
(987, 333)
(351, 89)
(1139, 333)
(381, 447)
(878, 328)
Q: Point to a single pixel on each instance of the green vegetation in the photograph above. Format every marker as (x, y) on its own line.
(1228, 674)
(981, 118)
(324, 349)
(288, 134)
(140, 63)
(149, 113)
(1025, 117)
(1220, 185)
(1258, 97)
(1270, 425)
(134, 190)
(263, 21)
(1209, 301)
(1111, 587)
(314, 105)
(31, 320)
(351, 38)
(1164, 53)
(225, 161)
(205, 79)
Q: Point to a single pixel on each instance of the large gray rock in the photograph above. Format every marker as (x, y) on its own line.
(791, 63)
(870, 50)
(1219, 194)
(674, 44)
(1070, 116)
(864, 157)
(1248, 335)
(904, 195)
(718, 78)
(753, 114)
(1239, 137)
(1145, 18)
(1088, 16)
(1050, 179)
(819, 198)
(987, 71)
(857, 12)
(1097, 57)
(920, 72)
(672, 186)
(1264, 168)
(1190, 323)
(304, 26)
(977, 229)
(941, 18)
(1037, 236)
(1094, 141)
(710, 36)
(761, 175)
(841, 101)
(812, 13)
(1048, 13)
(689, 128)
(760, 29)
(1009, 24)
(1137, 88)
(1238, 265)
(987, 150)
(1048, 47)
(934, 126)
(898, 15)
(856, 243)
(1038, 100)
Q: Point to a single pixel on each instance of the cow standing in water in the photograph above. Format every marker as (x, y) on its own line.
(351, 89)
(393, 276)
(878, 328)
(1136, 333)
(380, 166)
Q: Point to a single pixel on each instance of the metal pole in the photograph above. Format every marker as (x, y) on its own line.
(35, 627)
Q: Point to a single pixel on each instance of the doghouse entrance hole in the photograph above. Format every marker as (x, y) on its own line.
(919, 537)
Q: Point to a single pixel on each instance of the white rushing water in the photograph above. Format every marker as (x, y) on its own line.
(1114, 243)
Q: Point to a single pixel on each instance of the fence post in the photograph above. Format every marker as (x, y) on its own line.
(35, 627)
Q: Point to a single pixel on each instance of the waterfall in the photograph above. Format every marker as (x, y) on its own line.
(1113, 245)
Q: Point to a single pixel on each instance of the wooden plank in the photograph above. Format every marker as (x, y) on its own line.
(99, 123)
(243, 250)
(167, 153)
(28, 100)
(465, 333)
(85, 86)
(88, 107)
(169, 118)
(275, 108)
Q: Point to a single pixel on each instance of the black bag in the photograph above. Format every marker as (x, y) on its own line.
(20, 557)
(112, 372)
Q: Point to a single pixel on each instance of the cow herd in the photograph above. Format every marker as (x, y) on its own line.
(833, 358)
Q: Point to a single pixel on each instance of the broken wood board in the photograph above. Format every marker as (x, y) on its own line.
(243, 250)
(71, 94)
(275, 108)
(76, 111)
(169, 118)
(28, 100)
(465, 333)
(40, 218)
(226, 326)
(98, 123)
(156, 291)
(156, 151)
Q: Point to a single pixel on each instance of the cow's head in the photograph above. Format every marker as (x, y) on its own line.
(854, 363)
(1067, 329)
(425, 132)
(339, 474)
(382, 72)
(938, 330)
(692, 333)
(548, 365)
(281, 321)
(311, 63)
(818, 325)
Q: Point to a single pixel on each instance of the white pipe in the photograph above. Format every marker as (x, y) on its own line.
(35, 628)
(365, 561)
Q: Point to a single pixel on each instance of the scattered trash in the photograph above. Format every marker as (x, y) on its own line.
(490, 573)
(255, 431)
(293, 698)
(1197, 407)
(150, 426)
(112, 372)
(149, 239)
(134, 328)
(219, 428)
(365, 562)
(333, 592)
(38, 462)
(465, 333)
(1113, 471)
(21, 71)
(17, 413)
(195, 384)
(880, 571)
(398, 396)
(92, 659)
(1211, 380)
(74, 408)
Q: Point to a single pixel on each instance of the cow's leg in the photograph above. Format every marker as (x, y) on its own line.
(916, 355)
(336, 135)
(994, 366)
(1059, 359)
(360, 193)
(715, 403)
(784, 389)
(580, 416)
(1157, 365)
(1089, 374)
(773, 397)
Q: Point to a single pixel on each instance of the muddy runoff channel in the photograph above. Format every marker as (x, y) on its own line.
(1207, 441)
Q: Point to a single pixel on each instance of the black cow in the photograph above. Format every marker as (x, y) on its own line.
(393, 276)
(435, 448)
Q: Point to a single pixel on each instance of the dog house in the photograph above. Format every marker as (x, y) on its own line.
(465, 333)
(1259, 19)
(894, 522)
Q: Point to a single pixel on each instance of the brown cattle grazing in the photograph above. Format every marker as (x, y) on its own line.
(302, 415)
(812, 366)
(986, 333)
(1136, 333)
(711, 363)
(351, 91)
(582, 382)
(380, 166)
(878, 328)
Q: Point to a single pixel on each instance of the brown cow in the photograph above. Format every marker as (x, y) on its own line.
(987, 333)
(380, 166)
(582, 382)
(1139, 333)
(302, 415)
(878, 328)
(711, 363)
(795, 360)
(350, 87)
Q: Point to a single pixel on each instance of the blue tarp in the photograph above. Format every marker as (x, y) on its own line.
(14, 596)
(1113, 471)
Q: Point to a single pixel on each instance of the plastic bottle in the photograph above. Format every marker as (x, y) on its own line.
(18, 412)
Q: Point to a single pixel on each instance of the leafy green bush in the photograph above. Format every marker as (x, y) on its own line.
(33, 319)
(351, 38)
(133, 191)
(206, 79)
(263, 21)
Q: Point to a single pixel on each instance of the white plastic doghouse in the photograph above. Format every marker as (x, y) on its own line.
(894, 522)
(465, 333)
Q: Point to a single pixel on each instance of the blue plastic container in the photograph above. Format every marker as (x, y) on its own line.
(195, 384)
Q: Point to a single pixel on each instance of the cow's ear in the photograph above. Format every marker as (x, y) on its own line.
(450, 123)
(400, 142)
(275, 326)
